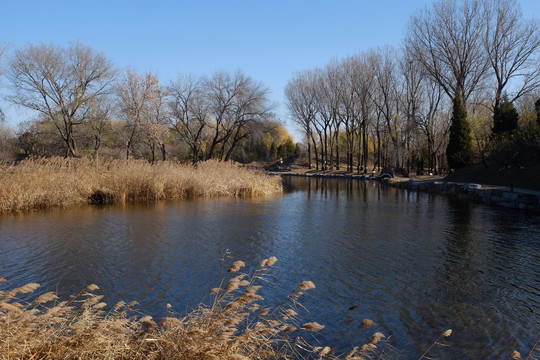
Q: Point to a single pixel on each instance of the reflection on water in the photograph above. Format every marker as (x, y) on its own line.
(415, 263)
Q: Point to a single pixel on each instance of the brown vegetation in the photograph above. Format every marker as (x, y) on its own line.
(42, 183)
(235, 325)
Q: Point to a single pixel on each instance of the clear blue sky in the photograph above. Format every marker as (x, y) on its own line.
(268, 40)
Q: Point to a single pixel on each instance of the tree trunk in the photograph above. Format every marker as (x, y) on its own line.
(337, 148)
(163, 152)
(315, 151)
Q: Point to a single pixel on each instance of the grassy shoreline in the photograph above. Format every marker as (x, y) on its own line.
(58, 182)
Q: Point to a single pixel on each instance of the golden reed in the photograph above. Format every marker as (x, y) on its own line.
(233, 324)
(59, 182)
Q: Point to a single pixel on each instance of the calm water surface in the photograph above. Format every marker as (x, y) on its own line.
(415, 263)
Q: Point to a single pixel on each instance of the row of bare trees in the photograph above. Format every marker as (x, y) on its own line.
(83, 103)
(371, 108)
(394, 108)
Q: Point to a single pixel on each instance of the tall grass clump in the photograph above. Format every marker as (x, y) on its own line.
(53, 182)
(234, 323)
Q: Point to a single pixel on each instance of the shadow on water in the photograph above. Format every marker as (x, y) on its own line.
(417, 264)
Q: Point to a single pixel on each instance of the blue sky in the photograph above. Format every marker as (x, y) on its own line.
(267, 40)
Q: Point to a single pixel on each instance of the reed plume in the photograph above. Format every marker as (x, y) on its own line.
(234, 323)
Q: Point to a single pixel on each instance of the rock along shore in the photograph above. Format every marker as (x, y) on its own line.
(485, 194)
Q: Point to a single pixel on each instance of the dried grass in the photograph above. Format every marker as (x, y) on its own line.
(230, 327)
(58, 182)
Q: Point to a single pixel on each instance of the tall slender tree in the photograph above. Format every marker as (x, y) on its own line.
(301, 102)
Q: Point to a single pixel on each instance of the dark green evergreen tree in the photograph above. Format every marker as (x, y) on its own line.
(458, 151)
(505, 118)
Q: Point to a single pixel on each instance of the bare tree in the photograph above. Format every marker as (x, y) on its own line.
(60, 84)
(325, 114)
(137, 97)
(512, 45)
(301, 102)
(447, 39)
(334, 84)
(189, 113)
(99, 123)
(433, 122)
(252, 106)
(155, 125)
(349, 111)
(385, 95)
(363, 82)
(411, 101)
(234, 102)
(221, 91)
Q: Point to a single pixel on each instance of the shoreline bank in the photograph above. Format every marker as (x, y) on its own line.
(513, 198)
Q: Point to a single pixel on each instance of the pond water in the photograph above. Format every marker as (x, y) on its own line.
(416, 264)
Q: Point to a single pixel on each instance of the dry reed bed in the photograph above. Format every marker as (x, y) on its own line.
(235, 324)
(42, 183)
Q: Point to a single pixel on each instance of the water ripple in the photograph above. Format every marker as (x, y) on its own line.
(416, 264)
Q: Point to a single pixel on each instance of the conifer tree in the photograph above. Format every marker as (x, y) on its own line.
(458, 151)
(505, 117)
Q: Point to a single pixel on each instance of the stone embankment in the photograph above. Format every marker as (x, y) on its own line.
(323, 175)
(486, 194)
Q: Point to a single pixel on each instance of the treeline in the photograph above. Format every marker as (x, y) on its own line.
(447, 97)
(463, 87)
(86, 108)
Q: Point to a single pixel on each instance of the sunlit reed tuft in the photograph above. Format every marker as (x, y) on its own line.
(313, 326)
(92, 287)
(375, 338)
(237, 265)
(366, 323)
(306, 285)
